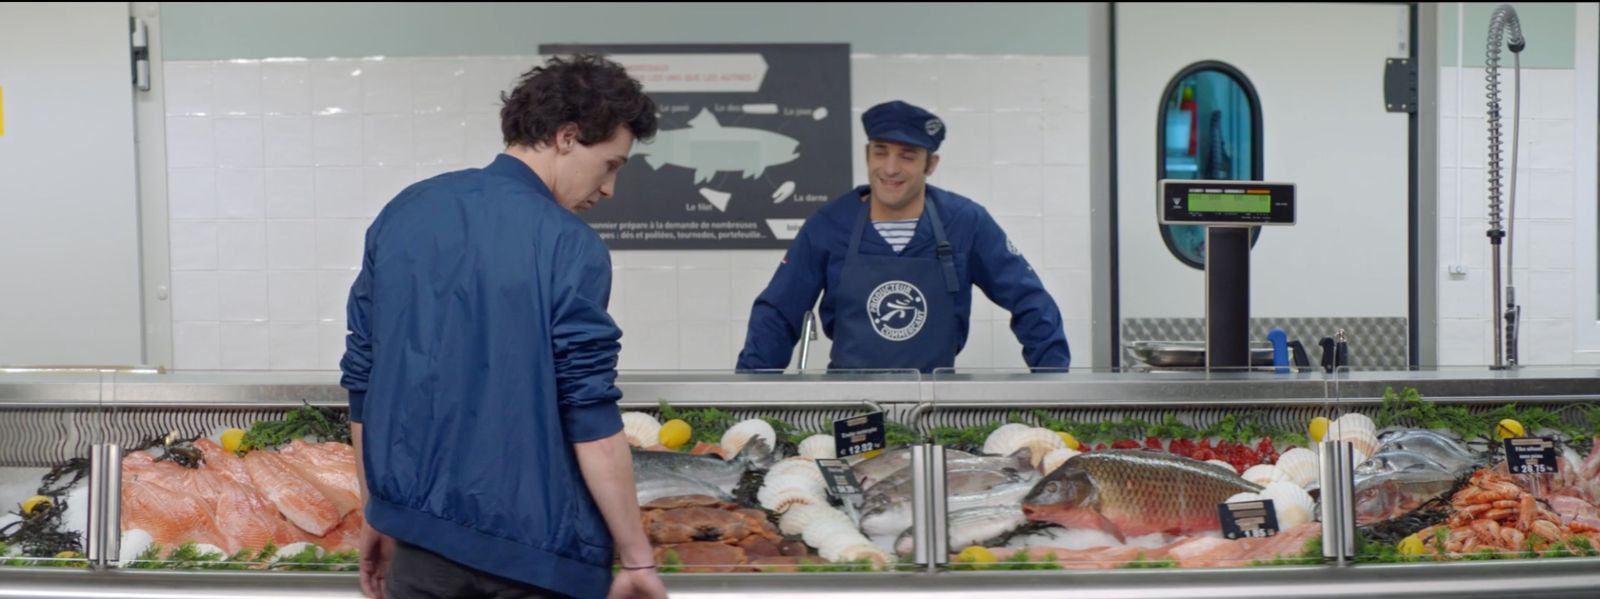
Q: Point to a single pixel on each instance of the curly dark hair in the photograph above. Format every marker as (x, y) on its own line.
(588, 90)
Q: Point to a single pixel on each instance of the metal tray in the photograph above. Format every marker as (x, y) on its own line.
(1187, 354)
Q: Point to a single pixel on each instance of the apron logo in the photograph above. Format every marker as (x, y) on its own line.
(1012, 247)
(897, 310)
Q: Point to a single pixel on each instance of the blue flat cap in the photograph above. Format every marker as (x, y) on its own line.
(900, 122)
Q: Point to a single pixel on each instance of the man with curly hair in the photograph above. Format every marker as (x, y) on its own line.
(480, 362)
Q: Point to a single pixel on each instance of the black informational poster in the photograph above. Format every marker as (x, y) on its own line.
(753, 139)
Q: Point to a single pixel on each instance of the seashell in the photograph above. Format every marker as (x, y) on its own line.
(829, 533)
(796, 481)
(797, 466)
(1293, 504)
(1055, 459)
(1224, 465)
(1358, 430)
(1038, 441)
(780, 499)
(1004, 433)
(735, 438)
(1261, 474)
(865, 551)
(642, 429)
(1241, 497)
(833, 546)
(1299, 466)
(1357, 456)
(801, 517)
(818, 447)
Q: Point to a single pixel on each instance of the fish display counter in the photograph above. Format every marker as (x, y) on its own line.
(51, 423)
(880, 483)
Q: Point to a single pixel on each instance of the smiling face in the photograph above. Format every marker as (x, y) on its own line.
(898, 172)
(584, 175)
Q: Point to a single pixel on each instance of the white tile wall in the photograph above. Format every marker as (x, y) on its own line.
(1545, 226)
(276, 168)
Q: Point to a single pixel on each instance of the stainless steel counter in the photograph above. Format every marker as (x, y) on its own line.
(692, 388)
(1539, 578)
(903, 394)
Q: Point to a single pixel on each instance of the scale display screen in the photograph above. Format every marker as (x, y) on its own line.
(1226, 203)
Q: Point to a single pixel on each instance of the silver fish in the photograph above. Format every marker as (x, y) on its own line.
(654, 469)
(957, 482)
(1398, 460)
(890, 517)
(874, 470)
(1444, 450)
(984, 526)
(1389, 495)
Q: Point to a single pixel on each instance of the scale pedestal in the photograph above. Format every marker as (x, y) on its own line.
(1228, 209)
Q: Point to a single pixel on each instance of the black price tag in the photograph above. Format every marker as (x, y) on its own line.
(1531, 455)
(841, 479)
(858, 435)
(1248, 519)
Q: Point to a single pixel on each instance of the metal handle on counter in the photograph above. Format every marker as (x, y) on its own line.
(939, 553)
(919, 509)
(94, 532)
(807, 335)
(112, 504)
(1338, 503)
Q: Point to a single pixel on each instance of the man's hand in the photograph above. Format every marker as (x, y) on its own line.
(376, 551)
(637, 584)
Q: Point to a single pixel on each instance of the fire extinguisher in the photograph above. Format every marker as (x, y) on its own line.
(1188, 105)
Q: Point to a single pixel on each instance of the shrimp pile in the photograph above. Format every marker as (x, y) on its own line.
(1493, 513)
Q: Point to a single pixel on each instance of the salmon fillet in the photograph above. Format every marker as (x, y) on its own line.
(298, 499)
(171, 518)
(332, 472)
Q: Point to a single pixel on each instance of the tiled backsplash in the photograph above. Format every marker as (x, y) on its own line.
(1545, 228)
(276, 167)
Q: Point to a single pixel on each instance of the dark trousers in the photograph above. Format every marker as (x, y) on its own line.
(416, 573)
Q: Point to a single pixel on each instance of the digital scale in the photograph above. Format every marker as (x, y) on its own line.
(1227, 209)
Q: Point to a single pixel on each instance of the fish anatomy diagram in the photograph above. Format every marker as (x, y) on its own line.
(752, 139)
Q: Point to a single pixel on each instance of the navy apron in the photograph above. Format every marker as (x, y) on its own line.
(896, 312)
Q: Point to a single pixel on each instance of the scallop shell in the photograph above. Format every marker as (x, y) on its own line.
(818, 447)
(801, 517)
(735, 438)
(1055, 459)
(1261, 474)
(642, 429)
(1224, 465)
(1002, 435)
(1241, 497)
(830, 534)
(1299, 466)
(796, 467)
(1038, 441)
(796, 479)
(1359, 431)
(781, 499)
(833, 545)
(1293, 504)
(865, 551)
